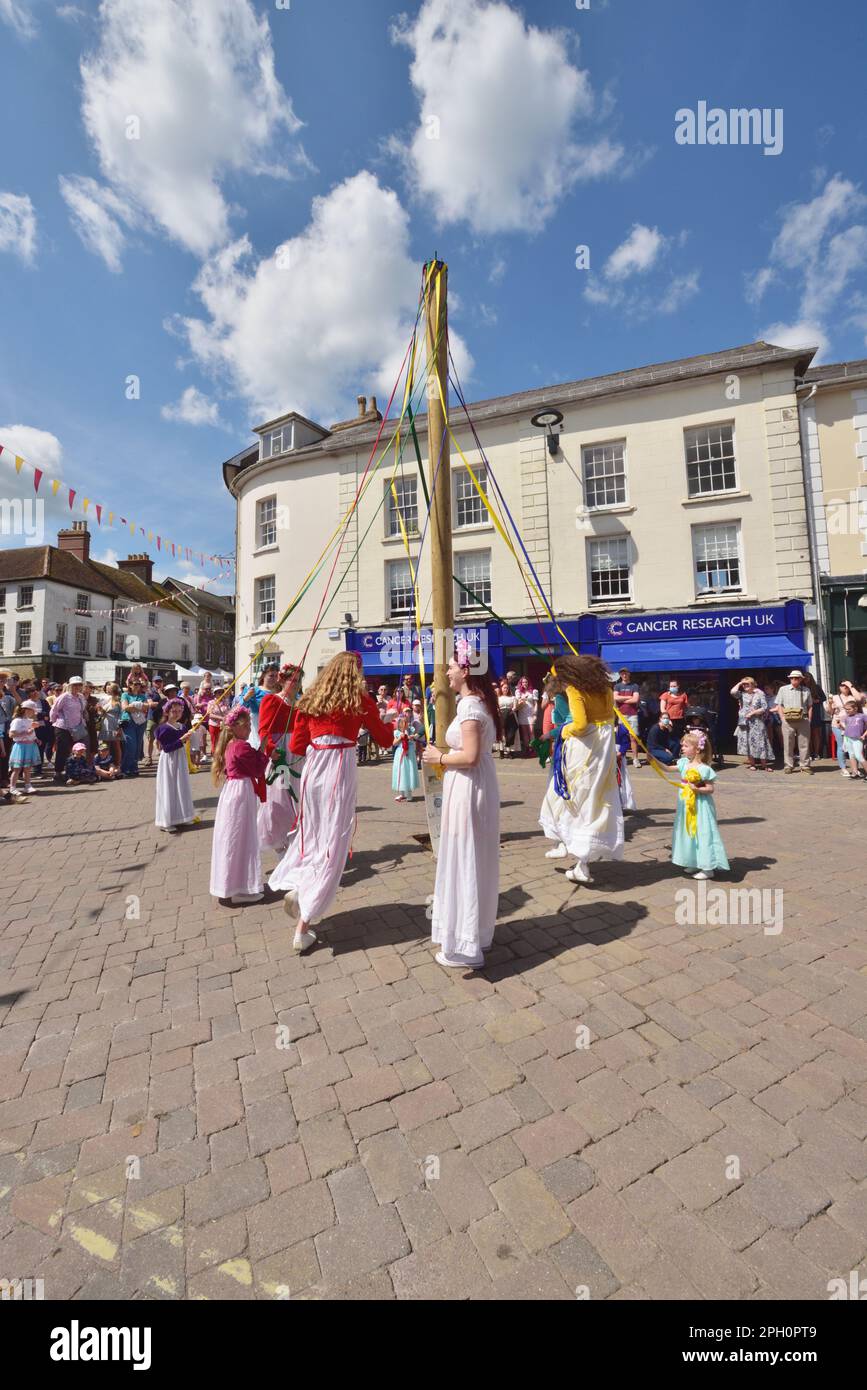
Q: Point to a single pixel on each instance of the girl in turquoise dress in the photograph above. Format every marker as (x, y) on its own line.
(404, 768)
(697, 845)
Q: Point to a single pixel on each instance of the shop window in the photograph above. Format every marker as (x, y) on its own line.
(609, 566)
(604, 467)
(717, 558)
(710, 460)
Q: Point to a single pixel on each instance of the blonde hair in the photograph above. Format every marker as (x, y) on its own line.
(227, 733)
(340, 688)
(693, 735)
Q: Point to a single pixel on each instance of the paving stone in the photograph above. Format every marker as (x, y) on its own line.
(620, 1238)
(785, 1270)
(697, 1178)
(635, 1149)
(295, 1215)
(537, 1217)
(783, 1206)
(448, 1269)
(704, 1260)
(391, 1165)
(215, 1242)
(490, 1119)
(218, 1194)
(361, 1245)
(557, 1136)
(460, 1191)
(429, 1103)
(327, 1143)
(583, 1268)
(422, 1218)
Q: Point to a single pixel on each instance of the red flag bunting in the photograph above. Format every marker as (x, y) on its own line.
(98, 513)
(71, 497)
(37, 478)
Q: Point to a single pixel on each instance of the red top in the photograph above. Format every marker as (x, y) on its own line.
(276, 718)
(243, 761)
(307, 728)
(675, 705)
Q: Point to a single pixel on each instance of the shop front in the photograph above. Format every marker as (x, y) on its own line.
(845, 602)
(525, 648)
(706, 650)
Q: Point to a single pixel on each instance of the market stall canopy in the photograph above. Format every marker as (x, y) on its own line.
(196, 674)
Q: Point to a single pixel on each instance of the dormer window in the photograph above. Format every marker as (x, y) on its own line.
(279, 441)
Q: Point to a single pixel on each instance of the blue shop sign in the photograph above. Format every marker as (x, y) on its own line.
(396, 648)
(731, 622)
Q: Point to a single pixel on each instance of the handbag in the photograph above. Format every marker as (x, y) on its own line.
(793, 716)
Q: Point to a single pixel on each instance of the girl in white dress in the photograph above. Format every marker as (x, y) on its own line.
(236, 864)
(467, 885)
(582, 808)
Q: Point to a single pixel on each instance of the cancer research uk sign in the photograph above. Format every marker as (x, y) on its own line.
(398, 646)
(737, 622)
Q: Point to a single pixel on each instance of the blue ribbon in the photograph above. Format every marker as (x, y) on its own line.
(557, 759)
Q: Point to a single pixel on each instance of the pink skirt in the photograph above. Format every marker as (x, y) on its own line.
(236, 865)
(317, 854)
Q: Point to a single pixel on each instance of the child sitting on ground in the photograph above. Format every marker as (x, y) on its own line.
(105, 769)
(78, 768)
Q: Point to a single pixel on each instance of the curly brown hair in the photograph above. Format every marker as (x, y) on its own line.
(340, 688)
(586, 673)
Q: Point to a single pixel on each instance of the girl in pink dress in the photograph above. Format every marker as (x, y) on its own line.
(236, 865)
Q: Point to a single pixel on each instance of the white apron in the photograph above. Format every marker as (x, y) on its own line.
(174, 794)
(590, 823)
(317, 854)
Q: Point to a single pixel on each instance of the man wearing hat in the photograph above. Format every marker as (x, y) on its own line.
(793, 703)
(68, 717)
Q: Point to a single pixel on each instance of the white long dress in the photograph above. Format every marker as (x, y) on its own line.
(590, 822)
(174, 795)
(236, 867)
(466, 892)
(317, 853)
(278, 814)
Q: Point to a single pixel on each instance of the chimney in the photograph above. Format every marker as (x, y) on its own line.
(362, 407)
(142, 566)
(76, 540)
(373, 409)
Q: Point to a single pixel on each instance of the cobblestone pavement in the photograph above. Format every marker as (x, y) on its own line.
(423, 1135)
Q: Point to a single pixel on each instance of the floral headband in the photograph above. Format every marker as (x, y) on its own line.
(178, 704)
(239, 712)
(466, 656)
(700, 738)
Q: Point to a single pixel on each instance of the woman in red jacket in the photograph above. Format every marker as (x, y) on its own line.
(279, 814)
(325, 728)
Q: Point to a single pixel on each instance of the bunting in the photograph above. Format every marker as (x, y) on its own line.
(224, 562)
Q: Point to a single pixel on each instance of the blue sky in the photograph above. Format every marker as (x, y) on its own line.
(258, 245)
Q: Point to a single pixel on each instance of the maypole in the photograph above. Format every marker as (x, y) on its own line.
(439, 472)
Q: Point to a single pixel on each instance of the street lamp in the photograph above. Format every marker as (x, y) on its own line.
(549, 420)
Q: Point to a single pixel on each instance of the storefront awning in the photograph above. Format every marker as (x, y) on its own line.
(707, 654)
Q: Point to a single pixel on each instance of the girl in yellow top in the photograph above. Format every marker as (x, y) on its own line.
(582, 810)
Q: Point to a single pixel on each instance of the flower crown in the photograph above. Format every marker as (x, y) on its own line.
(466, 655)
(700, 738)
(236, 713)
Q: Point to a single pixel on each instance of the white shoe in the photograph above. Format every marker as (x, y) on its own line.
(558, 852)
(304, 940)
(291, 905)
(844, 772)
(458, 964)
(237, 899)
(579, 873)
(703, 874)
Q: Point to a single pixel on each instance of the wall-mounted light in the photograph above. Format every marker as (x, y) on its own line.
(347, 618)
(549, 420)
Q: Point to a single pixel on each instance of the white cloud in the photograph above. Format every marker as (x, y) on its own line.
(801, 334)
(642, 252)
(638, 253)
(37, 447)
(193, 83)
(496, 144)
(16, 14)
(679, 290)
(325, 317)
(18, 225)
(193, 408)
(98, 215)
(818, 259)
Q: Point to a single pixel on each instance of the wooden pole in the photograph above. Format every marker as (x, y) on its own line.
(440, 474)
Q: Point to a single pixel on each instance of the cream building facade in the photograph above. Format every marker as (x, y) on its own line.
(834, 432)
(668, 503)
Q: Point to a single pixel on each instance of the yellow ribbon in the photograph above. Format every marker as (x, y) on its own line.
(688, 794)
